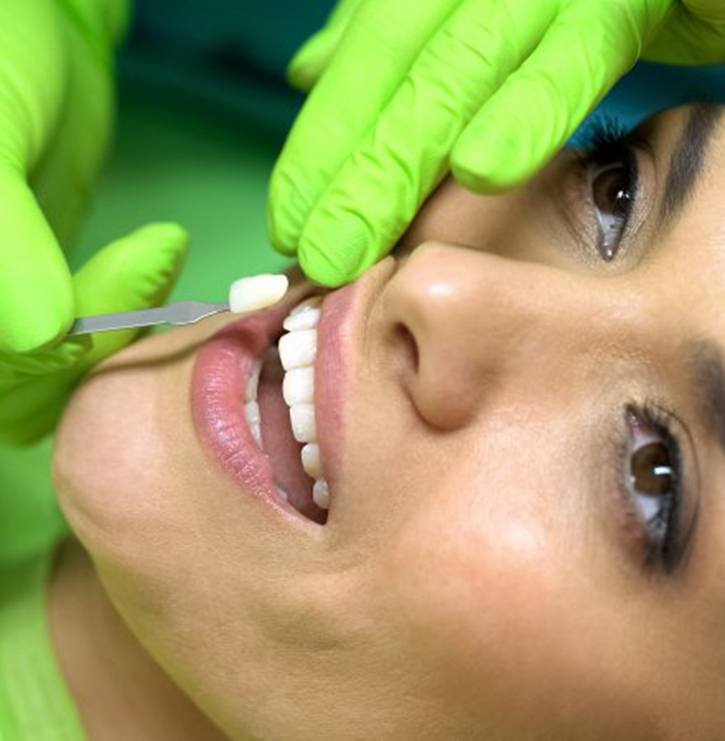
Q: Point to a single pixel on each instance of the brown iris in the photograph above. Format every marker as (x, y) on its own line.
(651, 470)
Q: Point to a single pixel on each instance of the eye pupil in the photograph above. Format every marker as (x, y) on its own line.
(610, 191)
(651, 470)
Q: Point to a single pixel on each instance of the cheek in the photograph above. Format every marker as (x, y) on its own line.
(513, 634)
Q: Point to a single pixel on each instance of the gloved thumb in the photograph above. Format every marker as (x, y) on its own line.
(312, 58)
(135, 272)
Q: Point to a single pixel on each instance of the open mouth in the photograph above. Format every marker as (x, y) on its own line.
(272, 416)
(280, 412)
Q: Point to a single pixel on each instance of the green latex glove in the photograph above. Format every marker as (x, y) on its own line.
(136, 272)
(490, 89)
(56, 107)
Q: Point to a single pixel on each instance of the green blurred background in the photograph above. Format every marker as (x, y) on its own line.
(203, 111)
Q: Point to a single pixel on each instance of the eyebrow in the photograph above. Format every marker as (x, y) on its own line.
(709, 381)
(688, 160)
(704, 355)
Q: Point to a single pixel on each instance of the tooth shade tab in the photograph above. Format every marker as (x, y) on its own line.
(257, 292)
(297, 349)
(321, 494)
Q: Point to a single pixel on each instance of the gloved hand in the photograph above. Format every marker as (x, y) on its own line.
(136, 272)
(56, 105)
(490, 89)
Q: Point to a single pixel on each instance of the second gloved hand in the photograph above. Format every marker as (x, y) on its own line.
(490, 89)
(56, 108)
(135, 272)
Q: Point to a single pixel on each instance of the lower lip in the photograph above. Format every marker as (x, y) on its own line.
(221, 372)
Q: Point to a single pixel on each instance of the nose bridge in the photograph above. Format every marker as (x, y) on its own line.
(478, 318)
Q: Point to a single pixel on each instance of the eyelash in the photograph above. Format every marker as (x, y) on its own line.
(665, 552)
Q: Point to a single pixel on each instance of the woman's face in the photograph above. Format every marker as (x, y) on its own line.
(521, 421)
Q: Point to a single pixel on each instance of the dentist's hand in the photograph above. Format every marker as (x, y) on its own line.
(56, 105)
(135, 272)
(490, 89)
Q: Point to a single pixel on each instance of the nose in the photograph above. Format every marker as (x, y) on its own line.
(478, 323)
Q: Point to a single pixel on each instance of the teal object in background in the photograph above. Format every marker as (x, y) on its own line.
(200, 125)
(650, 88)
(232, 53)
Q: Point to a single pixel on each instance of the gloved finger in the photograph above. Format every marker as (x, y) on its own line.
(62, 179)
(135, 272)
(703, 20)
(36, 295)
(583, 54)
(314, 55)
(371, 61)
(380, 188)
(36, 302)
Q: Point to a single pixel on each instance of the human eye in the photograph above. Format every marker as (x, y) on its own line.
(653, 487)
(610, 182)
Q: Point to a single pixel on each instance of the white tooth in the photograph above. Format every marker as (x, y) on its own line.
(298, 386)
(310, 454)
(253, 382)
(313, 302)
(297, 349)
(304, 320)
(257, 292)
(302, 418)
(251, 412)
(321, 494)
(283, 494)
(256, 434)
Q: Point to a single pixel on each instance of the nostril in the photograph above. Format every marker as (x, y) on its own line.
(405, 339)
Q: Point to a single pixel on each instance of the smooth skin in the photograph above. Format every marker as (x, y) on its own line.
(404, 91)
(480, 575)
(56, 110)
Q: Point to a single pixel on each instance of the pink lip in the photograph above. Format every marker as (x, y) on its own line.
(224, 365)
(222, 370)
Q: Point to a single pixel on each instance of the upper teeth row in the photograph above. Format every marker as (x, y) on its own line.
(297, 352)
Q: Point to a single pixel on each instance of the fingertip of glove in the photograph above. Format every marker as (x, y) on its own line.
(307, 65)
(164, 234)
(34, 333)
(328, 268)
(162, 248)
(486, 163)
(133, 272)
(37, 325)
